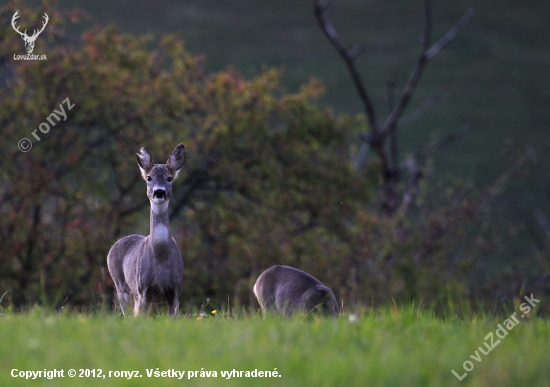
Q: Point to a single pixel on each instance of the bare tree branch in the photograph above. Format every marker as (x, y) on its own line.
(377, 136)
(361, 155)
(543, 221)
(415, 162)
(418, 158)
(444, 141)
(348, 57)
(450, 35)
(422, 109)
(499, 183)
(425, 55)
(532, 230)
(394, 150)
(531, 153)
(374, 139)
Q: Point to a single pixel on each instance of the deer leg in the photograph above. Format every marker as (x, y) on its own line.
(123, 300)
(141, 301)
(172, 300)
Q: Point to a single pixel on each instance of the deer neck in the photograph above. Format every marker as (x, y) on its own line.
(160, 230)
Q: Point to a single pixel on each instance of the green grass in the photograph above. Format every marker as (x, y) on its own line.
(408, 347)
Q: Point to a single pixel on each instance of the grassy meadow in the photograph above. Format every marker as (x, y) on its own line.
(387, 347)
(494, 76)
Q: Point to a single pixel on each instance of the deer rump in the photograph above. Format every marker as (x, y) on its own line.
(289, 290)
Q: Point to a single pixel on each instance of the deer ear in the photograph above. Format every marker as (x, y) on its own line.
(145, 162)
(176, 160)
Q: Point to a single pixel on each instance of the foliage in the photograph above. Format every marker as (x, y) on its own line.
(268, 181)
(251, 192)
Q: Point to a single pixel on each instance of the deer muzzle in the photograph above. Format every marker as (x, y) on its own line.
(159, 194)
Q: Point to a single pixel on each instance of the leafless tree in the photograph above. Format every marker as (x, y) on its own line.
(381, 133)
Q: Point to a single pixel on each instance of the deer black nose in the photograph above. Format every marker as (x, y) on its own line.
(159, 193)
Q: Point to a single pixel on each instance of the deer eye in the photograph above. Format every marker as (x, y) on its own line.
(169, 178)
(149, 178)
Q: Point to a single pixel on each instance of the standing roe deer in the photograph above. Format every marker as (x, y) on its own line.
(288, 290)
(146, 265)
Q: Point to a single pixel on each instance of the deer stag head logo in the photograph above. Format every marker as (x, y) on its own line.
(29, 40)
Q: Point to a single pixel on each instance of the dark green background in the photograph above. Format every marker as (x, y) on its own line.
(495, 74)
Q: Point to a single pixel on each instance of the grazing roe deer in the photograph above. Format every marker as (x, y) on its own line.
(147, 265)
(288, 290)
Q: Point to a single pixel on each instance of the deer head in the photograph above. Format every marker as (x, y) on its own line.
(159, 176)
(29, 40)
